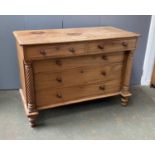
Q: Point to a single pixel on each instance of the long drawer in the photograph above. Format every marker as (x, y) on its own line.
(58, 65)
(78, 76)
(53, 97)
(77, 49)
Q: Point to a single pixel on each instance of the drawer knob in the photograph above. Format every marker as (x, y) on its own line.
(104, 57)
(59, 95)
(59, 79)
(58, 62)
(100, 47)
(103, 73)
(102, 87)
(124, 43)
(72, 50)
(42, 52)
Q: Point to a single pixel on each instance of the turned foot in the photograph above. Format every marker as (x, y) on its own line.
(124, 100)
(32, 120)
(152, 85)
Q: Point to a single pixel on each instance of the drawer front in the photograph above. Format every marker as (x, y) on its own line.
(111, 45)
(52, 97)
(50, 51)
(77, 76)
(58, 65)
(77, 49)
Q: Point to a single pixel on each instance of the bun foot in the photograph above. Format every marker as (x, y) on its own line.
(152, 85)
(32, 120)
(124, 101)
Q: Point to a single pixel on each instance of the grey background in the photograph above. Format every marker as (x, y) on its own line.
(9, 77)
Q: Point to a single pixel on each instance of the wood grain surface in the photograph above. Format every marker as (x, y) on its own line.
(33, 37)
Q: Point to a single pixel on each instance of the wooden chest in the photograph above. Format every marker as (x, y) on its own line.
(66, 66)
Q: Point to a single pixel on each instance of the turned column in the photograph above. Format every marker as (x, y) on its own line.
(30, 94)
(125, 92)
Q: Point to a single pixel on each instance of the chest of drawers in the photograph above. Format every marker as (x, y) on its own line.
(66, 66)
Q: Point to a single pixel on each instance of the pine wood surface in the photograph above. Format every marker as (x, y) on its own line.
(33, 37)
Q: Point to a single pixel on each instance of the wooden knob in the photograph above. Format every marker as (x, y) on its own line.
(103, 73)
(59, 95)
(72, 50)
(43, 52)
(125, 44)
(102, 87)
(100, 47)
(104, 57)
(58, 62)
(59, 79)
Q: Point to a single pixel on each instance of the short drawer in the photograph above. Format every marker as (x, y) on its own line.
(54, 51)
(77, 76)
(53, 97)
(104, 46)
(60, 64)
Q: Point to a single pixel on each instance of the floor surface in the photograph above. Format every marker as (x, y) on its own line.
(98, 119)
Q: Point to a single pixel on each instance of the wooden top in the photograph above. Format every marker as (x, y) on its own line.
(32, 37)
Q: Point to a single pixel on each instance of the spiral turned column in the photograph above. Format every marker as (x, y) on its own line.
(30, 95)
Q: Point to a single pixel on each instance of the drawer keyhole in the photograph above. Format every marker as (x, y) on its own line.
(81, 71)
(58, 62)
(100, 47)
(72, 50)
(59, 79)
(42, 52)
(125, 44)
(102, 87)
(103, 73)
(104, 57)
(59, 95)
